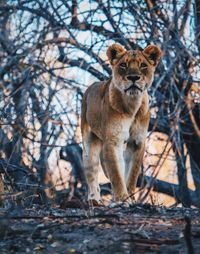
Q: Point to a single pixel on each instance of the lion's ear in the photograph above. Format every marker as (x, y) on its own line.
(114, 53)
(153, 54)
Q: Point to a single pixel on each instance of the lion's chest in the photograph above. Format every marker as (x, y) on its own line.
(127, 129)
(126, 126)
(138, 131)
(118, 129)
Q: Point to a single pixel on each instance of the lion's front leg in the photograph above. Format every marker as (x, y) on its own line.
(136, 153)
(91, 151)
(114, 163)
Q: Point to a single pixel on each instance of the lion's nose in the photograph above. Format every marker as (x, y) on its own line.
(133, 78)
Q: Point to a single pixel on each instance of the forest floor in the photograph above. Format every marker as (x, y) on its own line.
(137, 229)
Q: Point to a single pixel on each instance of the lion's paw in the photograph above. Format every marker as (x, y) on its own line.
(95, 203)
(126, 203)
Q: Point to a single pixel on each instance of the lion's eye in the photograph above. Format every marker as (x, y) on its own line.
(143, 66)
(123, 65)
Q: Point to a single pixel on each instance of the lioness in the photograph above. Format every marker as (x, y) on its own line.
(114, 113)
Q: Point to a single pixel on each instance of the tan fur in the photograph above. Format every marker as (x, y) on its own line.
(115, 113)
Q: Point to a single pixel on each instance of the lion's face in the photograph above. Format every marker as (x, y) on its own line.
(133, 70)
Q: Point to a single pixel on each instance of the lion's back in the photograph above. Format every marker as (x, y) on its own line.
(92, 103)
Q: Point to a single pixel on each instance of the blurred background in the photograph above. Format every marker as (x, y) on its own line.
(52, 50)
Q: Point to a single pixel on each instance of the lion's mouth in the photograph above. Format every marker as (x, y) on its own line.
(133, 87)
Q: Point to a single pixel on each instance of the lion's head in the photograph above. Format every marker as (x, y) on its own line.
(133, 70)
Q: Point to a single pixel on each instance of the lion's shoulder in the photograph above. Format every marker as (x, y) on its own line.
(104, 87)
(98, 89)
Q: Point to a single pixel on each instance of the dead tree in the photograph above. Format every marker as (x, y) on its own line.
(52, 50)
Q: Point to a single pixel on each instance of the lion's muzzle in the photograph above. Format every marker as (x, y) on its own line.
(133, 87)
(133, 79)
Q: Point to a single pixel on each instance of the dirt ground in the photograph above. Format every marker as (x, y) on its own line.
(138, 229)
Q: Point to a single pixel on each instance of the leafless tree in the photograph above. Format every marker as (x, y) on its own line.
(51, 50)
